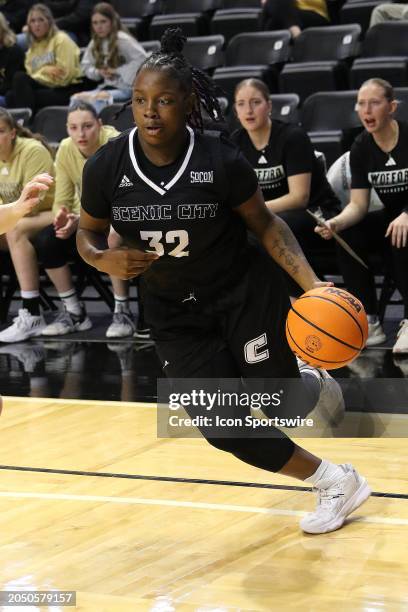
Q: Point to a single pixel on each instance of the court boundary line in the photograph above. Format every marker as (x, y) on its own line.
(188, 504)
(177, 479)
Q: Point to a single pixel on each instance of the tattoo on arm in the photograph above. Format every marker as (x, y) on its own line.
(287, 248)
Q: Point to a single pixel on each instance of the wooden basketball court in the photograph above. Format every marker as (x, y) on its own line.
(92, 501)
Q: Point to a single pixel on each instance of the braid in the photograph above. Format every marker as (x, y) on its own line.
(171, 58)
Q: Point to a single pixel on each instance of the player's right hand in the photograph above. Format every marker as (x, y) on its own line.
(326, 231)
(31, 193)
(124, 262)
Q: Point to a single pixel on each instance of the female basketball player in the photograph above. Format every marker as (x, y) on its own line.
(379, 161)
(216, 307)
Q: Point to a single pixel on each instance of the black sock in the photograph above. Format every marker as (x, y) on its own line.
(32, 305)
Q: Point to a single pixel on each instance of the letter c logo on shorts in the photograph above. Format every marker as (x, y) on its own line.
(253, 352)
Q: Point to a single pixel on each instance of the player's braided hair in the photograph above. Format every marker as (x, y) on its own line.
(170, 57)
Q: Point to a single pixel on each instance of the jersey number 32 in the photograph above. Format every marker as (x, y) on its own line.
(156, 240)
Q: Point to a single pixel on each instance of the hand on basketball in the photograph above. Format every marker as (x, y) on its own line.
(326, 230)
(398, 231)
(125, 263)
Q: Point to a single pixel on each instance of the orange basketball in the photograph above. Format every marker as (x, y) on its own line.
(327, 327)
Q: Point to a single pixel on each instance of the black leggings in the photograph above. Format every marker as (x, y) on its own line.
(282, 14)
(52, 251)
(210, 340)
(367, 238)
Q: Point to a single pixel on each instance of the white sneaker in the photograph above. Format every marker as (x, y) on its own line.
(401, 345)
(331, 402)
(121, 326)
(376, 334)
(337, 502)
(67, 322)
(27, 353)
(25, 325)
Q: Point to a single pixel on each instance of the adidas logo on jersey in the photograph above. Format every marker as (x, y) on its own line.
(125, 182)
(262, 160)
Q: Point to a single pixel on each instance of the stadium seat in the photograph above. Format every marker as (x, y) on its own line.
(358, 11)
(192, 24)
(285, 107)
(226, 78)
(305, 79)
(331, 120)
(239, 4)
(205, 52)
(123, 122)
(21, 115)
(384, 54)
(319, 60)
(392, 69)
(235, 21)
(339, 42)
(401, 94)
(190, 6)
(254, 51)
(258, 48)
(137, 14)
(151, 46)
(51, 122)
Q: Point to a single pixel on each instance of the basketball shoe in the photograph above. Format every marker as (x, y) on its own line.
(67, 322)
(121, 326)
(336, 502)
(330, 404)
(24, 326)
(376, 334)
(401, 345)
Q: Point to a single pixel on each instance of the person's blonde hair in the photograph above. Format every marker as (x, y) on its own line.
(46, 12)
(385, 86)
(7, 36)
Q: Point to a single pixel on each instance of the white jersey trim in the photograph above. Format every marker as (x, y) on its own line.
(179, 172)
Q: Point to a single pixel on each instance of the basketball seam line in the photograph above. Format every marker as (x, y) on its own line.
(325, 332)
(325, 299)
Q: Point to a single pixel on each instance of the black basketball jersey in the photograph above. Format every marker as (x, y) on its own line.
(288, 152)
(386, 173)
(187, 217)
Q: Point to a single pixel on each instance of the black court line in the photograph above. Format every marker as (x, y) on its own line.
(228, 483)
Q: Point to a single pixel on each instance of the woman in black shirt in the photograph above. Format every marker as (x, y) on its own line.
(379, 161)
(291, 177)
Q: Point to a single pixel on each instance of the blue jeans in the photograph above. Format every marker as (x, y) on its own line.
(115, 95)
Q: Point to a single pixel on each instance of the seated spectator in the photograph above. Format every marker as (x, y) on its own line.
(111, 59)
(11, 58)
(22, 157)
(73, 16)
(290, 176)
(378, 160)
(11, 213)
(293, 15)
(55, 244)
(52, 64)
(15, 12)
(389, 12)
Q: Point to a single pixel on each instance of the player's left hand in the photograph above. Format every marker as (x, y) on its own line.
(398, 231)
